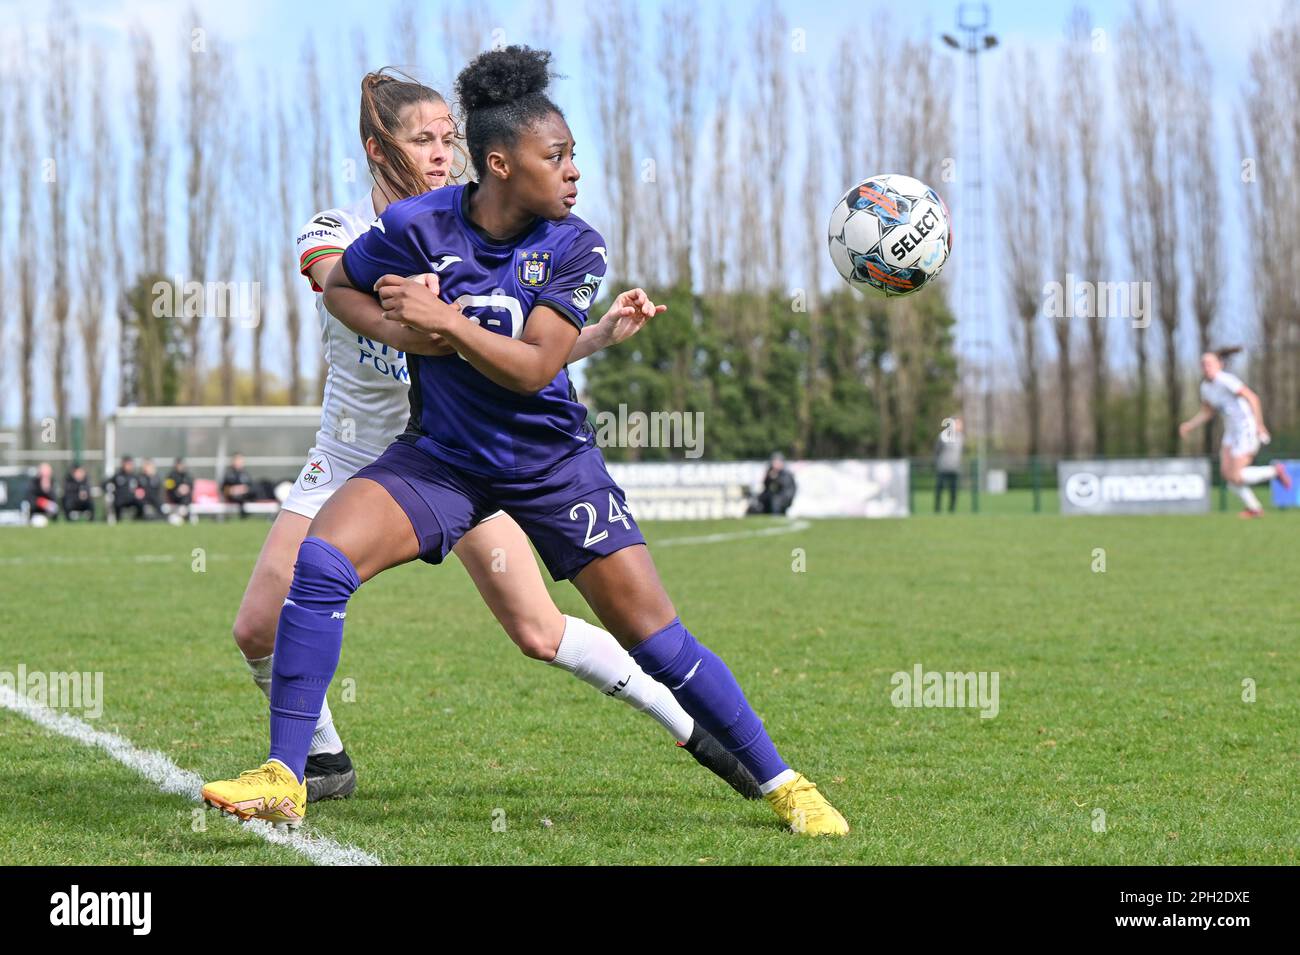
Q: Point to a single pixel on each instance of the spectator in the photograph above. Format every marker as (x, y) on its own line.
(77, 505)
(180, 489)
(152, 485)
(42, 497)
(237, 484)
(125, 489)
(947, 462)
(778, 489)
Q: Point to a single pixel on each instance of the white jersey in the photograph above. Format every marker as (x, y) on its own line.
(1221, 394)
(366, 402)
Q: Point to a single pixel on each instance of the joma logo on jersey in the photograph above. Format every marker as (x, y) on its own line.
(533, 268)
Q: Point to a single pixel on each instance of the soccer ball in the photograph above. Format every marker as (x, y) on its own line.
(890, 234)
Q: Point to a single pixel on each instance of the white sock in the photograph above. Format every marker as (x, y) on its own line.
(326, 738)
(777, 781)
(1258, 474)
(1247, 496)
(594, 657)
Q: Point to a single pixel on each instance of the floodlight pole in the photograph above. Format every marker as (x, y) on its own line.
(972, 21)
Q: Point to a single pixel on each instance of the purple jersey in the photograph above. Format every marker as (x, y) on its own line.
(459, 415)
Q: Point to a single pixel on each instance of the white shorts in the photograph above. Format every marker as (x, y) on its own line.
(324, 473)
(1241, 437)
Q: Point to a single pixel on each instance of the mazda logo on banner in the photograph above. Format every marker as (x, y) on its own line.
(1139, 486)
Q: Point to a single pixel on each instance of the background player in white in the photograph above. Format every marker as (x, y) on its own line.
(1243, 429)
(410, 140)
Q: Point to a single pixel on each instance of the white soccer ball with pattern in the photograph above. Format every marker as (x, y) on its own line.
(890, 234)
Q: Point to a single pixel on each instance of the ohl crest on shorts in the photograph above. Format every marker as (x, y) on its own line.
(533, 268)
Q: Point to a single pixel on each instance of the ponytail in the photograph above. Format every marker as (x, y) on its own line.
(384, 94)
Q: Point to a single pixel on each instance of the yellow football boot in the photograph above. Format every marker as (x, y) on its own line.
(270, 792)
(805, 810)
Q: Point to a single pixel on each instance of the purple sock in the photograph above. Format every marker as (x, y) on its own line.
(308, 641)
(705, 688)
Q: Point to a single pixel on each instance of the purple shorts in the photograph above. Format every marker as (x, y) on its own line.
(573, 513)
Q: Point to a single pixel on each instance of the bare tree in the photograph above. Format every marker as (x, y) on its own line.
(99, 218)
(1136, 79)
(922, 143)
(846, 82)
(363, 65)
(318, 127)
(404, 36)
(202, 102)
(233, 182)
(751, 267)
(466, 32)
(770, 48)
(265, 252)
(1172, 104)
(152, 157)
(614, 74)
(290, 215)
(320, 154)
(543, 24)
(679, 63)
(1150, 77)
(29, 175)
(6, 347)
(718, 212)
(1269, 136)
(921, 140)
(1083, 111)
(814, 233)
(1203, 206)
(1058, 171)
(60, 94)
(852, 70)
(1023, 142)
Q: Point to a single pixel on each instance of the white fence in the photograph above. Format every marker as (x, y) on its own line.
(700, 490)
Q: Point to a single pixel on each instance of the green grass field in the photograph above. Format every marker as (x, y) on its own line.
(1120, 691)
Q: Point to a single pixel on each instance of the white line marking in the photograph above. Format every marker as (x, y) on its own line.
(58, 559)
(791, 528)
(170, 778)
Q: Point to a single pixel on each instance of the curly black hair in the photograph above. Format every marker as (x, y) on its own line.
(502, 93)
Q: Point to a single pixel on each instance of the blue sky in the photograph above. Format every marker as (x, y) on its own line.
(267, 37)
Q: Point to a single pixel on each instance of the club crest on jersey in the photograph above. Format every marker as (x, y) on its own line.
(533, 268)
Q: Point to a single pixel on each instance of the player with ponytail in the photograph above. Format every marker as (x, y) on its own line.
(413, 147)
(1243, 429)
(494, 426)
